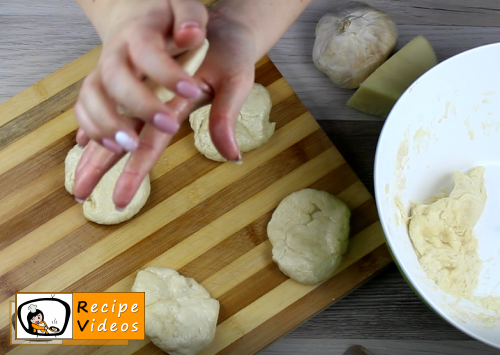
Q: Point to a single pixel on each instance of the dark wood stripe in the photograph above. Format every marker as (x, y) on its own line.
(267, 74)
(39, 115)
(286, 111)
(5, 346)
(218, 257)
(365, 215)
(33, 217)
(149, 349)
(312, 303)
(35, 166)
(193, 220)
(90, 233)
(75, 349)
(250, 290)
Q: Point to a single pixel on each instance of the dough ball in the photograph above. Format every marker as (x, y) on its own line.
(99, 206)
(309, 231)
(181, 317)
(253, 128)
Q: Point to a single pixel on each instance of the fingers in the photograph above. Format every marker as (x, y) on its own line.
(135, 95)
(97, 115)
(81, 138)
(190, 21)
(95, 161)
(152, 144)
(226, 107)
(149, 53)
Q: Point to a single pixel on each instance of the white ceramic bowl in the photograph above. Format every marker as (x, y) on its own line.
(448, 120)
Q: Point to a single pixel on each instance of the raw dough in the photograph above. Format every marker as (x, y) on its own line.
(181, 317)
(442, 234)
(309, 231)
(253, 128)
(99, 206)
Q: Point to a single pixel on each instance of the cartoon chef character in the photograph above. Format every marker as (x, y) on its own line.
(35, 321)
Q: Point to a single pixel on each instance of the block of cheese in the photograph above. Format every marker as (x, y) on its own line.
(380, 91)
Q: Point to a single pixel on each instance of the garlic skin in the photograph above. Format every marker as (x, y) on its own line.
(352, 42)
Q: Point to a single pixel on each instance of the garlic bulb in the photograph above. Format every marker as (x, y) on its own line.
(352, 42)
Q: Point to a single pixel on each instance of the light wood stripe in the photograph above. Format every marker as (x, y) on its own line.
(207, 220)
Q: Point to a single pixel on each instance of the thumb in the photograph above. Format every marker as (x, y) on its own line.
(226, 107)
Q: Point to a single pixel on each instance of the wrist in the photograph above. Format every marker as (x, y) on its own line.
(227, 18)
(109, 15)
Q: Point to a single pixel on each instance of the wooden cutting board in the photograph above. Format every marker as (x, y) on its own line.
(206, 219)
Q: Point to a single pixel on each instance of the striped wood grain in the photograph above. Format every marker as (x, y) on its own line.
(207, 220)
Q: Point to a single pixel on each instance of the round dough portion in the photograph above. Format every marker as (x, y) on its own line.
(181, 316)
(253, 128)
(99, 206)
(309, 232)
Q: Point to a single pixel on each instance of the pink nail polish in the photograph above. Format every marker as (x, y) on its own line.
(190, 24)
(238, 160)
(111, 145)
(187, 90)
(166, 123)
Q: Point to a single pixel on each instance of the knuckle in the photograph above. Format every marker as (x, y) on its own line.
(108, 70)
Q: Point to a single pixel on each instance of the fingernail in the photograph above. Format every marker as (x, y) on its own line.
(189, 24)
(79, 200)
(239, 160)
(166, 123)
(125, 141)
(120, 209)
(187, 89)
(111, 145)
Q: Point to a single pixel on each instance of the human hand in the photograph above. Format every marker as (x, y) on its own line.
(227, 73)
(140, 39)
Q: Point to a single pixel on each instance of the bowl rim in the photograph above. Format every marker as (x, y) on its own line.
(380, 193)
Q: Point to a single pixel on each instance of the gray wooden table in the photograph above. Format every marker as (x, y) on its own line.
(38, 37)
